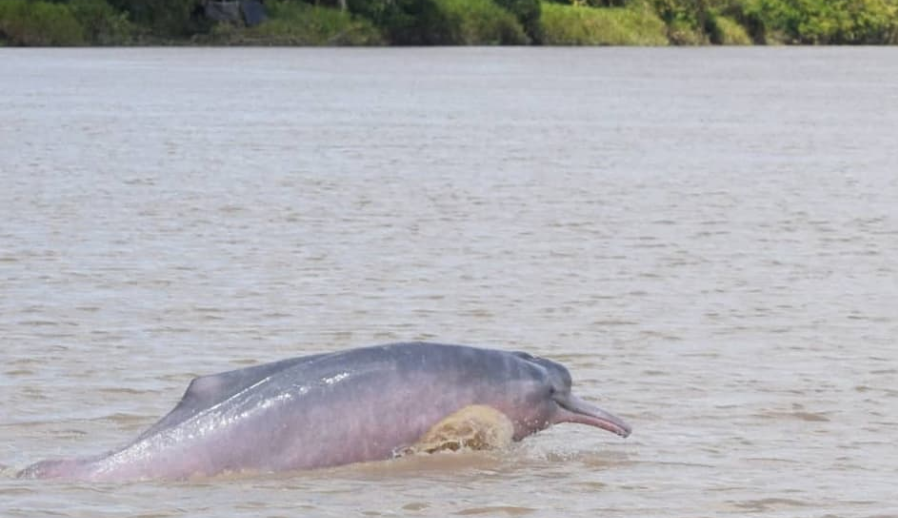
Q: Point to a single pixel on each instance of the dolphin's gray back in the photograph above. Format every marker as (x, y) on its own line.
(206, 392)
(219, 393)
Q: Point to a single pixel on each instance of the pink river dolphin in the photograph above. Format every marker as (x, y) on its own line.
(338, 408)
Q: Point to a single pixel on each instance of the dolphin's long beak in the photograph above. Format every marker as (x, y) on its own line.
(575, 410)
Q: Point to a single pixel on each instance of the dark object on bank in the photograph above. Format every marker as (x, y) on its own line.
(240, 12)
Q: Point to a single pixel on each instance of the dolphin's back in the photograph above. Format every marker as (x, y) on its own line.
(344, 379)
(205, 392)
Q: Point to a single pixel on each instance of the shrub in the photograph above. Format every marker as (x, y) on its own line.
(407, 22)
(481, 22)
(684, 32)
(686, 20)
(163, 18)
(824, 21)
(38, 24)
(571, 25)
(727, 31)
(102, 24)
(299, 24)
(871, 22)
(442, 22)
(601, 3)
(528, 13)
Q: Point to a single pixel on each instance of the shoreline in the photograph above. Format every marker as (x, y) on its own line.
(396, 23)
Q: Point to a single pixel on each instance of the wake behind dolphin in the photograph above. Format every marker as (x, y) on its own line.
(323, 410)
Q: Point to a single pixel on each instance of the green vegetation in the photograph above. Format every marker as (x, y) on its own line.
(481, 22)
(447, 22)
(294, 23)
(160, 19)
(823, 21)
(101, 24)
(38, 24)
(727, 31)
(455, 22)
(406, 22)
(528, 14)
(575, 25)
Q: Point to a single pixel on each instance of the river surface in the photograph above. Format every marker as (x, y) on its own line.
(707, 238)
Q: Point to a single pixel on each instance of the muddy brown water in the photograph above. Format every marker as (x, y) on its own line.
(707, 238)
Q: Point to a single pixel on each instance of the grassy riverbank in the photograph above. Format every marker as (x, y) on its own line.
(455, 22)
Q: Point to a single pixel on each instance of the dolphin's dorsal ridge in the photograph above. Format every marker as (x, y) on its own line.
(205, 388)
(205, 392)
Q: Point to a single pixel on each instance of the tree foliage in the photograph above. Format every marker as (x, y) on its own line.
(824, 21)
(528, 14)
(101, 23)
(163, 18)
(458, 22)
(407, 22)
(481, 22)
(38, 24)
